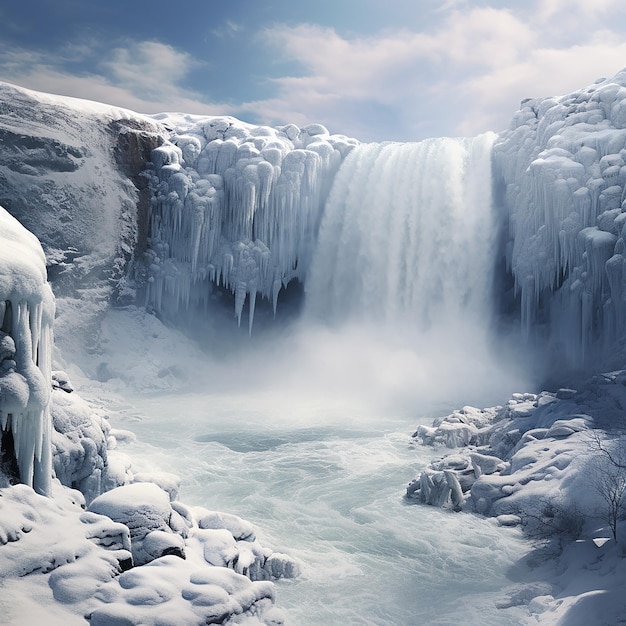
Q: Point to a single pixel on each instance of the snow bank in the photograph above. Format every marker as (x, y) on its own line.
(26, 315)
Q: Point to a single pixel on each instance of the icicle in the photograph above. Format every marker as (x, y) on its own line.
(275, 291)
(252, 304)
(240, 299)
(563, 174)
(26, 314)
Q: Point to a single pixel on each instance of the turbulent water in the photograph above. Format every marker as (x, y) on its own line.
(323, 482)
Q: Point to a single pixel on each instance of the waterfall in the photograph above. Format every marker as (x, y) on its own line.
(408, 236)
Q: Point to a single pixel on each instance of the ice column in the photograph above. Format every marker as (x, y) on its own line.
(26, 316)
(235, 205)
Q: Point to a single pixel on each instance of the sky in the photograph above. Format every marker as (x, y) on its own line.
(400, 70)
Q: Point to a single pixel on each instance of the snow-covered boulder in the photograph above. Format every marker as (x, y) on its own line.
(54, 542)
(229, 541)
(168, 482)
(79, 442)
(535, 439)
(172, 591)
(145, 509)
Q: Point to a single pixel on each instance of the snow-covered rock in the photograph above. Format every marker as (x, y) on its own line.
(144, 508)
(78, 563)
(170, 591)
(231, 542)
(520, 442)
(70, 172)
(79, 444)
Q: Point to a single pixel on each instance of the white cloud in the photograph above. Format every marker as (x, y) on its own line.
(228, 29)
(466, 76)
(399, 74)
(495, 95)
(144, 76)
(560, 9)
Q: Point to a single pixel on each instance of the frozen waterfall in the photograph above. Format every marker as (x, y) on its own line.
(404, 233)
(26, 315)
(235, 206)
(408, 235)
(562, 170)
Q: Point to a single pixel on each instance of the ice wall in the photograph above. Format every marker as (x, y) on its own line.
(562, 170)
(26, 316)
(235, 205)
(408, 235)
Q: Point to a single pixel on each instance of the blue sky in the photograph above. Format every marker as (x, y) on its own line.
(372, 69)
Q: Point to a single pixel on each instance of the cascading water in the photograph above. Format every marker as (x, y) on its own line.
(408, 235)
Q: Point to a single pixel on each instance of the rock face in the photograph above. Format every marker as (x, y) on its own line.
(69, 172)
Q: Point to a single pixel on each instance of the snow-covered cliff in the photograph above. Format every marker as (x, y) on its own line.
(70, 173)
(187, 208)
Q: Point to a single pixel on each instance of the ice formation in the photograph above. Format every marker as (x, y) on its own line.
(237, 206)
(408, 234)
(562, 166)
(26, 315)
(79, 443)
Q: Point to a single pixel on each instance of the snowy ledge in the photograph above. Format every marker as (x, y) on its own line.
(553, 464)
